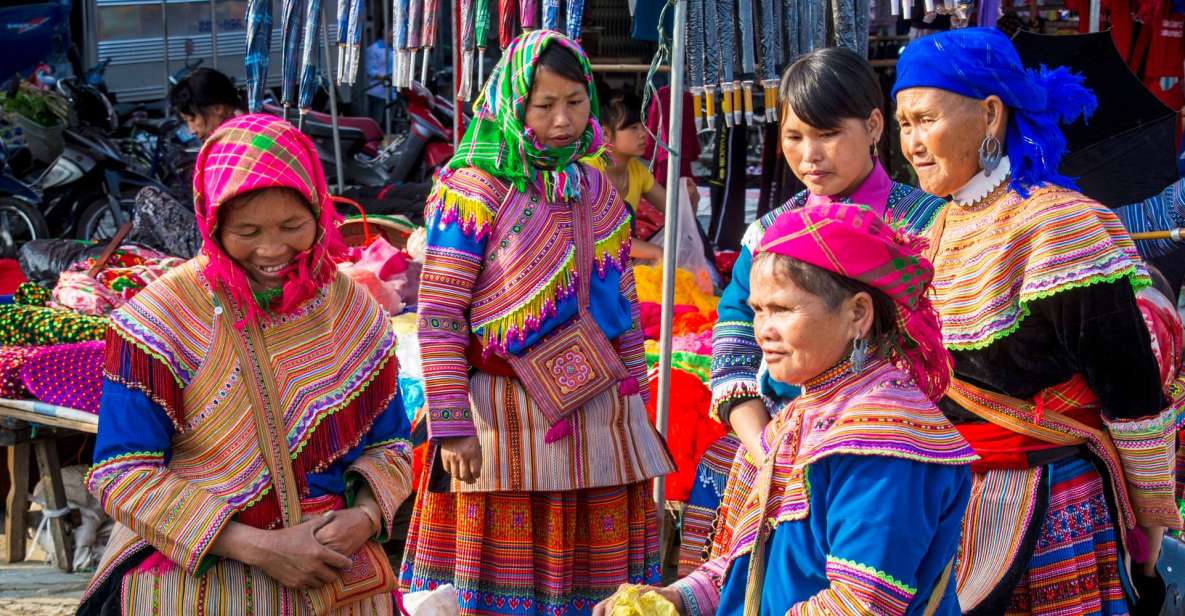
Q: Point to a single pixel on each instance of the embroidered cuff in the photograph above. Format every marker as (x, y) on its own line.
(701, 595)
(387, 469)
(1147, 450)
(729, 394)
(450, 423)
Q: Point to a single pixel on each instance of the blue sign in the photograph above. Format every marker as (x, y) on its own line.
(31, 34)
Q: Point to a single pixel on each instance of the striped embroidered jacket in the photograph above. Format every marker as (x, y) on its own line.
(177, 455)
(865, 504)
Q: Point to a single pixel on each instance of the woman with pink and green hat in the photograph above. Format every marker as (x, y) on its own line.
(252, 445)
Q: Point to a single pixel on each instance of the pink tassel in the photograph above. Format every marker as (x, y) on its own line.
(628, 387)
(558, 430)
(1137, 545)
(157, 564)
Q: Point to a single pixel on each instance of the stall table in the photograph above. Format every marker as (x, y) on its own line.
(28, 426)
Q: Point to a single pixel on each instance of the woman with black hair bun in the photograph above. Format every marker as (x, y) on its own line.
(832, 117)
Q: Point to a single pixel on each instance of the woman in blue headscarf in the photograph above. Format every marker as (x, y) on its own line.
(1055, 384)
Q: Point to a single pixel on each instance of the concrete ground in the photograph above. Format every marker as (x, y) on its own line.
(37, 588)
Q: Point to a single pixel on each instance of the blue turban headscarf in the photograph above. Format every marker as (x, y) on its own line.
(980, 62)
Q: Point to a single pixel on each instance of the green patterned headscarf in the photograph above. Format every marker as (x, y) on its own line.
(499, 143)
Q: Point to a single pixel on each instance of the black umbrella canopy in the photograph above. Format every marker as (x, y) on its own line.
(1125, 152)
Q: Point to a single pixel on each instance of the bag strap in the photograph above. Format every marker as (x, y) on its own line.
(939, 589)
(256, 372)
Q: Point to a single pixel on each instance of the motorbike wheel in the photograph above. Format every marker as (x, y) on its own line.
(97, 223)
(19, 223)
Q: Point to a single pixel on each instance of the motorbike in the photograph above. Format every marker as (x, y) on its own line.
(411, 156)
(88, 191)
(20, 215)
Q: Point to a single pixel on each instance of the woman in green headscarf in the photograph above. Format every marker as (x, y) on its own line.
(537, 498)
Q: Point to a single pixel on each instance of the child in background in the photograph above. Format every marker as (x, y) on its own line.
(626, 140)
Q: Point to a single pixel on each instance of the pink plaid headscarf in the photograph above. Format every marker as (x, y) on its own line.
(856, 242)
(253, 152)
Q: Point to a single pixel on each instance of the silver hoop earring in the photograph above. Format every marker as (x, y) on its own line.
(990, 153)
(859, 357)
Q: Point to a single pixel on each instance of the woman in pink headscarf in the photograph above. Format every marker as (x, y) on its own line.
(252, 441)
(864, 481)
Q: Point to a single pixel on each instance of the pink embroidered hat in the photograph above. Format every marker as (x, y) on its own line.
(856, 242)
(253, 152)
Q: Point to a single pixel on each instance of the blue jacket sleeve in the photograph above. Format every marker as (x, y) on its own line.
(1160, 212)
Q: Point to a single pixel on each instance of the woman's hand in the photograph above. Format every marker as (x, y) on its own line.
(347, 530)
(605, 608)
(295, 558)
(461, 458)
(749, 419)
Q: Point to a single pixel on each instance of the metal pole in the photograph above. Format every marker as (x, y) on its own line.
(670, 240)
(214, 31)
(164, 31)
(1094, 15)
(388, 38)
(337, 138)
(458, 114)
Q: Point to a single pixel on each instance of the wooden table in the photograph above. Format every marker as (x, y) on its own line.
(30, 426)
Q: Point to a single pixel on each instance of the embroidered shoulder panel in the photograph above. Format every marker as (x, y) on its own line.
(877, 413)
(995, 259)
(529, 261)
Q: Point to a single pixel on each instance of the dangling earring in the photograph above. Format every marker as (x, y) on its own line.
(990, 153)
(859, 357)
(875, 151)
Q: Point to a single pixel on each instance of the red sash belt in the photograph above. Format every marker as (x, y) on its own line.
(1001, 448)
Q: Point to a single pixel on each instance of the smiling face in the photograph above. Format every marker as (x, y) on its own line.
(800, 333)
(558, 108)
(941, 133)
(830, 161)
(263, 232)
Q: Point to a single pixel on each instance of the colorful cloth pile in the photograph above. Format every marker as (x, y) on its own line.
(126, 273)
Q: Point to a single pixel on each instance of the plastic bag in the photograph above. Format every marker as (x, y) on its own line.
(631, 601)
(690, 253)
(439, 602)
(43, 261)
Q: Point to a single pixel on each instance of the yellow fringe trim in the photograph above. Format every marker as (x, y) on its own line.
(473, 214)
(496, 329)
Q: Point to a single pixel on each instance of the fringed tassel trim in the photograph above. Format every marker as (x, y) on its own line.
(338, 430)
(614, 249)
(471, 213)
(136, 367)
(528, 317)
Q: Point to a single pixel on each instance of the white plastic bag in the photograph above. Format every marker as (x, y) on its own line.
(690, 247)
(439, 602)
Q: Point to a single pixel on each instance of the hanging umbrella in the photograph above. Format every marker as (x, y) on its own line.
(575, 18)
(771, 53)
(402, 51)
(748, 62)
(343, 34)
(466, 92)
(792, 29)
(551, 15)
(528, 14)
(259, 48)
(711, 63)
(730, 99)
(291, 29)
(348, 68)
(1125, 153)
(415, 18)
(428, 33)
(695, 60)
(844, 22)
(481, 32)
(507, 14)
(308, 54)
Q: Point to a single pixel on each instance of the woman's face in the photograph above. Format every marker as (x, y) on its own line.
(940, 136)
(630, 140)
(799, 334)
(203, 124)
(558, 108)
(831, 162)
(265, 234)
